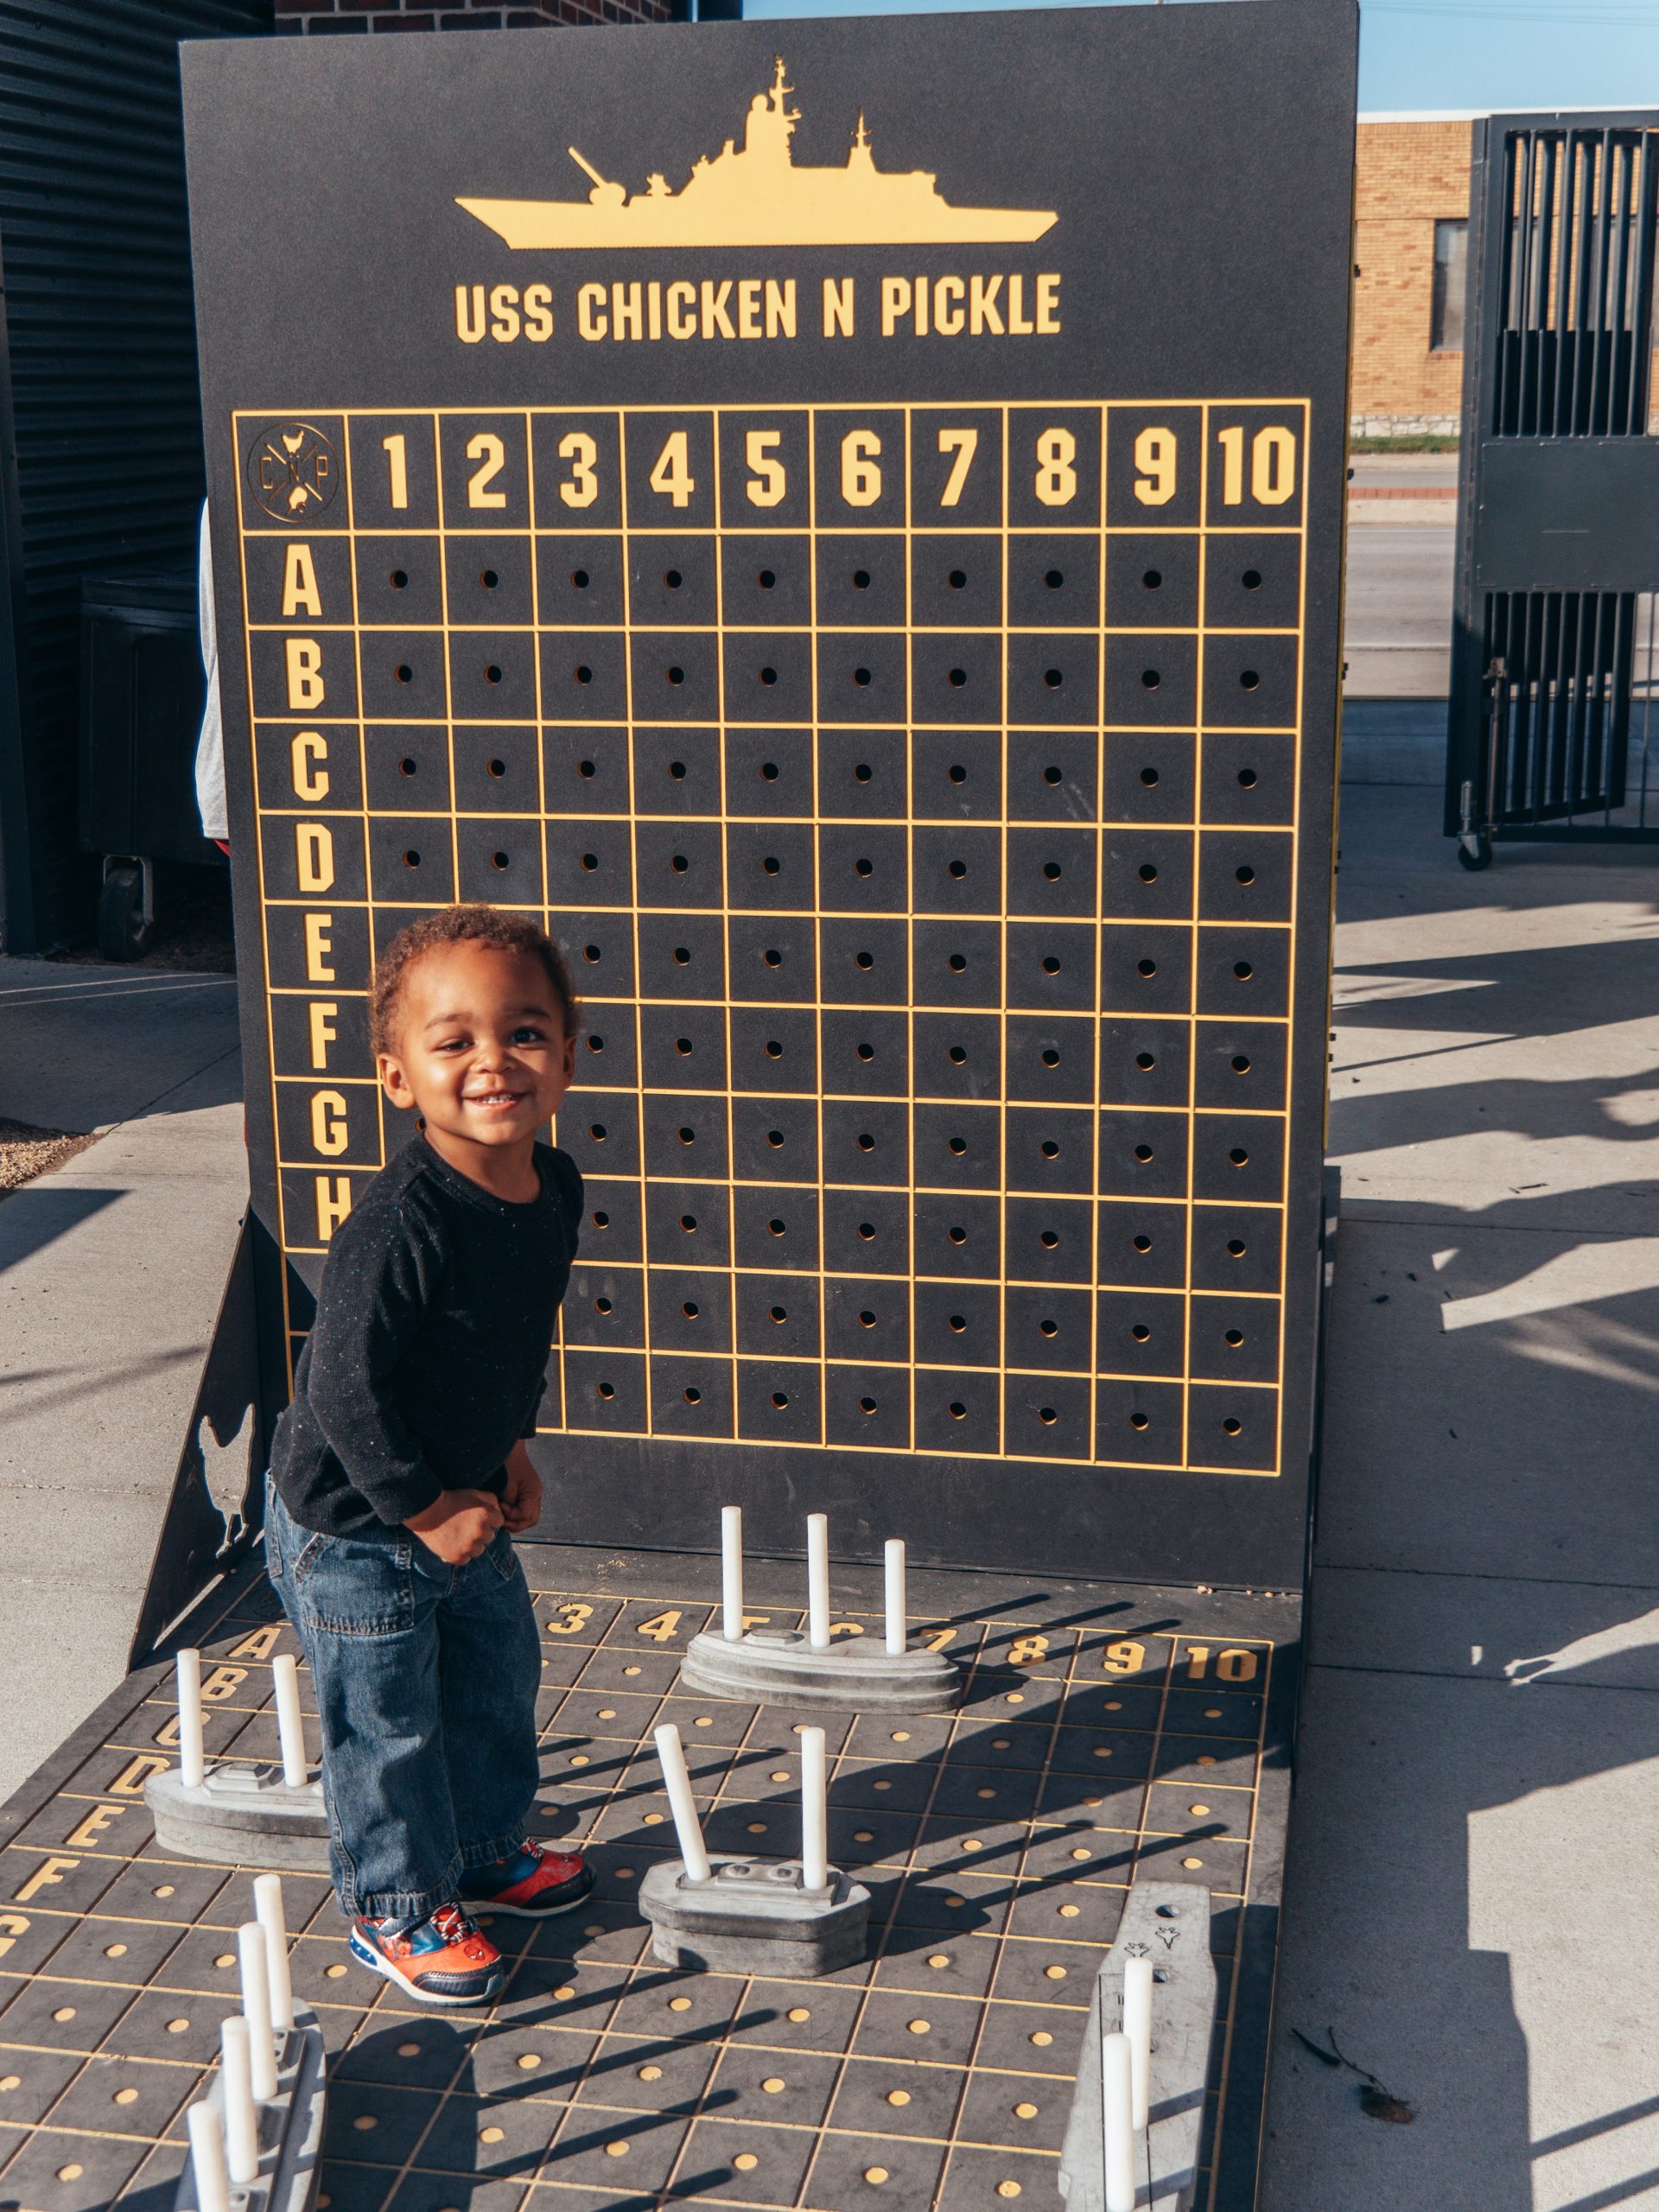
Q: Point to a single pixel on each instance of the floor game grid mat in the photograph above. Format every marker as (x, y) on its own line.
(1106, 1732)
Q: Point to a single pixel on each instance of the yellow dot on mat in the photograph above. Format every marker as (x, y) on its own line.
(594, 1927)
(1070, 1911)
(863, 1835)
(1014, 1697)
(324, 2201)
(1042, 2039)
(654, 1819)
(630, 1670)
(1193, 1862)
(1199, 1809)
(799, 2012)
(165, 1890)
(651, 2073)
(1025, 2112)
(486, 1920)
(702, 1721)
(64, 2012)
(897, 2096)
(801, 1727)
(985, 1793)
(408, 2050)
(1212, 1712)
(972, 1843)
(757, 1827)
(881, 1785)
(782, 1775)
(618, 2149)
(920, 2027)
(607, 1712)
(901, 1735)
(956, 1903)
(580, 1759)
(530, 2060)
(10, 2080)
(564, 1993)
(334, 1973)
(364, 2122)
(1114, 1704)
(1080, 1853)
(875, 2173)
(679, 2004)
(625, 1873)
(1001, 1743)
(126, 2096)
(115, 1950)
(1007, 2189)
(1054, 1973)
(939, 1958)
(491, 2135)
(1206, 1758)
(773, 2084)
(1103, 1751)
(177, 2027)
(71, 2172)
(745, 2161)
(225, 1959)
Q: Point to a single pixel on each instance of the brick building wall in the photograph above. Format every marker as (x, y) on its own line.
(1409, 176)
(323, 16)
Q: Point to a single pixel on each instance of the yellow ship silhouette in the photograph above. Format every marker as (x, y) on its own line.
(758, 197)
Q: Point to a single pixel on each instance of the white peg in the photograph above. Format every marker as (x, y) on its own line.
(896, 1636)
(681, 1803)
(236, 2088)
(1117, 2131)
(267, 1903)
(192, 1765)
(815, 1812)
(1137, 2026)
(256, 2008)
(207, 2159)
(731, 1572)
(291, 1731)
(817, 1581)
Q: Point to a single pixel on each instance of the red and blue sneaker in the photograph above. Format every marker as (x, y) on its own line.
(531, 1884)
(443, 1959)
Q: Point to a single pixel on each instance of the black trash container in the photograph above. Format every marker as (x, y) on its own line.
(141, 689)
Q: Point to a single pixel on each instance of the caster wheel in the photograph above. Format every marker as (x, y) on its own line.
(1474, 853)
(122, 933)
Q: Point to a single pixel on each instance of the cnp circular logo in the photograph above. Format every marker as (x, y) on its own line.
(292, 471)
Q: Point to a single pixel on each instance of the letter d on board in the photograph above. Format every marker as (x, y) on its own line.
(313, 855)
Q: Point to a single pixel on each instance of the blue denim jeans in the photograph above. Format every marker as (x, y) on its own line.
(426, 1678)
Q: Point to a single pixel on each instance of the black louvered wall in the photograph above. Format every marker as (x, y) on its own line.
(100, 434)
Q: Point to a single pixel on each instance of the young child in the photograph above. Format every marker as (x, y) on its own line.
(399, 1473)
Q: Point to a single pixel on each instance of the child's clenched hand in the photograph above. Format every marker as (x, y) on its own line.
(521, 1501)
(458, 1525)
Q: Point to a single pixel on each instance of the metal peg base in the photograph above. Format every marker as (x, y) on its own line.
(291, 2129)
(771, 1666)
(754, 1916)
(1168, 1923)
(245, 1813)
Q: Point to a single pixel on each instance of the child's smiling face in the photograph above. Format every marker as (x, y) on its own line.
(480, 1052)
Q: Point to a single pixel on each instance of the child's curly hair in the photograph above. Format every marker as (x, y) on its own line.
(476, 925)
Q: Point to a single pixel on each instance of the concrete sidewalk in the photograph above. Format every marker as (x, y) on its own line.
(1470, 1898)
(111, 1273)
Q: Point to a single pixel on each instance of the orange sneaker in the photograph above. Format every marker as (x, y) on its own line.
(443, 1959)
(533, 1885)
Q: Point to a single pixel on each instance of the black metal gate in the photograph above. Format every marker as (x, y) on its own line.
(1558, 552)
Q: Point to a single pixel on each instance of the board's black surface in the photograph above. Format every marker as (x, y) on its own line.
(1105, 1732)
(995, 1013)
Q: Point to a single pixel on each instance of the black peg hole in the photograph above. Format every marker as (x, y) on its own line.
(860, 579)
(862, 773)
(1236, 1248)
(1243, 970)
(957, 579)
(496, 768)
(404, 672)
(411, 859)
(1150, 679)
(1245, 874)
(1140, 1332)
(1053, 677)
(1231, 1425)
(1137, 1421)
(500, 861)
(1241, 1064)
(671, 577)
(606, 1389)
(408, 768)
(958, 1054)
(398, 579)
(1248, 680)
(1142, 1243)
(957, 679)
(1049, 1149)
(1251, 580)
(1051, 965)
(766, 579)
(578, 579)
(864, 960)
(958, 774)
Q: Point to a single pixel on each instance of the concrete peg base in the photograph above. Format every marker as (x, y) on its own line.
(773, 1666)
(1169, 1923)
(290, 2128)
(753, 1916)
(242, 1813)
